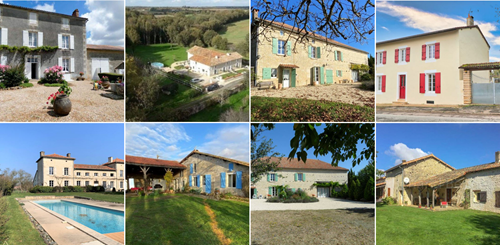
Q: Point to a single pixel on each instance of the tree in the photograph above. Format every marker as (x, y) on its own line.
(358, 190)
(133, 38)
(340, 140)
(371, 64)
(208, 36)
(380, 173)
(168, 178)
(261, 151)
(242, 47)
(219, 42)
(369, 190)
(25, 180)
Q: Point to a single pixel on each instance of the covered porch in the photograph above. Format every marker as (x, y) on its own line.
(439, 191)
(287, 75)
(482, 87)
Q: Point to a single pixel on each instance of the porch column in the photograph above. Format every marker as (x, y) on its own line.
(467, 86)
(419, 197)
(411, 197)
(433, 197)
(427, 190)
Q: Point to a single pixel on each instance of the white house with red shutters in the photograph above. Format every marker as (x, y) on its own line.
(424, 68)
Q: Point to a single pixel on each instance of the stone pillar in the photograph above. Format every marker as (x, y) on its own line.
(467, 78)
(433, 197)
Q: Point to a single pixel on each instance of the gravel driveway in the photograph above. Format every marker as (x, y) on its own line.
(29, 105)
(345, 93)
(324, 203)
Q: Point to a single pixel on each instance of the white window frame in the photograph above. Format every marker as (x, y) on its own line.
(96, 174)
(33, 39)
(87, 183)
(380, 58)
(65, 41)
(51, 183)
(316, 73)
(87, 174)
(103, 174)
(402, 55)
(66, 62)
(338, 56)
(378, 83)
(313, 52)
(231, 181)
(121, 184)
(66, 183)
(51, 170)
(78, 183)
(428, 92)
(272, 177)
(274, 191)
(274, 72)
(300, 176)
(104, 184)
(66, 171)
(281, 47)
(78, 174)
(430, 46)
(121, 173)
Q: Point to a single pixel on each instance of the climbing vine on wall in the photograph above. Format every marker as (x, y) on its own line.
(361, 67)
(24, 49)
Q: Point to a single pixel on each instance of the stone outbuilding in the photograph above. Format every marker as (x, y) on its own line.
(104, 59)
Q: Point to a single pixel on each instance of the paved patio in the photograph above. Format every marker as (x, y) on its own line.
(66, 231)
(324, 203)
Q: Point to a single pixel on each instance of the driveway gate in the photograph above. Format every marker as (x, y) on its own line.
(486, 93)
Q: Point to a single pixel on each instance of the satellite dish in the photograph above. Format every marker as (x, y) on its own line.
(406, 180)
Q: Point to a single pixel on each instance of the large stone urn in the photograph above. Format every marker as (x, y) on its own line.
(62, 105)
(106, 84)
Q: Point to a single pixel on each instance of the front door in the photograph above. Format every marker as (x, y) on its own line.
(208, 184)
(355, 76)
(448, 195)
(34, 69)
(286, 78)
(388, 192)
(402, 86)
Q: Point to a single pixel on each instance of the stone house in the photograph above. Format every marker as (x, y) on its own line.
(24, 27)
(211, 62)
(429, 181)
(104, 59)
(57, 170)
(299, 175)
(427, 68)
(280, 57)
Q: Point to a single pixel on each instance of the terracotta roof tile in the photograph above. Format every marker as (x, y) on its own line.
(288, 66)
(117, 160)
(58, 156)
(309, 164)
(419, 159)
(211, 57)
(153, 162)
(215, 156)
(92, 167)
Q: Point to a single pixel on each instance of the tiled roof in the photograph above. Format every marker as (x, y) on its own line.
(57, 156)
(418, 159)
(211, 57)
(288, 66)
(215, 156)
(105, 47)
(452, 175)
(309, 164)
(117, 160)
(380, 184)
(481, 66)
(318, 37)
(92, 167)
(152, 162)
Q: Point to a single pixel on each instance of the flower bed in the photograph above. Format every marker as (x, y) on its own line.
(286, 195)
(52, 75)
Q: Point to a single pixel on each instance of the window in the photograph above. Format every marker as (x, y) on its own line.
(431, 82)
(274, 191)
(497, 199)
(33, 19)
(66, 171)
(111, 184)
(281, 47)
(300, 177)
(65, 23)
(66, 183)
(194, 167)
(33, 39)
(87, 174)
(104, 184)
(274, 72)
(96, 174)
(272, 177)
(338, 55)
(104, 174)
(51, 170)
(402, 55)
(313, 52)
(431, 51)
(315, 75)
(78, 183)
(195, 180)
(65, 42)
(65, 64)
(281, 33)
(112, 174)
(204, 178)
(87, 183)
(379, 83)
(51, 183)
(121, 173)
(480, 196)
(231, 180)
(121, 184)
(78, 174)
(380, 58)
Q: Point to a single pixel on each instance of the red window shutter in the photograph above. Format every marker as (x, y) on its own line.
(384, 55)
(408, 54)
(383, 83)
(423, 51)
(436, 51)
(422, 83)
(396, 56)
(438, 83)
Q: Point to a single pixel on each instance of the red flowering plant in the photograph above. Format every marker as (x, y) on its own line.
(52, 97)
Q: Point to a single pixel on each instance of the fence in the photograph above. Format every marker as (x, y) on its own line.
(486, 93)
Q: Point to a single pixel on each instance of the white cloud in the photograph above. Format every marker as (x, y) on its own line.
(231, 141)
(494, 59)
(105, 22)
(150, 140)
(46, 7)
(403, 152)
(385, 28)
(428, 22)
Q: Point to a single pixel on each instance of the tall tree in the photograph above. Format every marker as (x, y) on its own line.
(261, 151)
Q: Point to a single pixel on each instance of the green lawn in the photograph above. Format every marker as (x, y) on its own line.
(407, 225)
(19, 228)
(212, 114)
(268, 109)
(236, 32)
(165, 53)
(181, 219)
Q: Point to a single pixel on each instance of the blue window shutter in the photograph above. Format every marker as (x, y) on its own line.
(335, 53)
(341, 56)
(288, 48)
(255, 191)
(208, 187)
(222, 180)
(238, 180)
(190, 168)
(190, 180)
(309, 49)
(318, 49)
(198, 181)
(231, 165)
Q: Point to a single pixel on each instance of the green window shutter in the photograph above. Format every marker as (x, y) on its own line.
(270, 191)
(255, 190)
(268, 177)
(275, 46)
(335, 53)
(340, 73)
(295, 176)
(288, 48)
(293, 190)
(309, 50)
(319, 52)
(266, 73)
(276, 177)
(303, 177)
(341, 56)
(321, 75)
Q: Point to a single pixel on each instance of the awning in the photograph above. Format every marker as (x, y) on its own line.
(481, 66)
(288, 66)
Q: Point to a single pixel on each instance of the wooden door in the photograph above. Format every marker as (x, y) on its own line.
(388, 192)
(402, 86)
(448, 195)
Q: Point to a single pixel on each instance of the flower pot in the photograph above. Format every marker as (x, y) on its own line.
(62, 105)
(106, 84)
(113, 87)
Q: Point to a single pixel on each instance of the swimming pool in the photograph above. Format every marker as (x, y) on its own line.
(157, 65)
(102, 220)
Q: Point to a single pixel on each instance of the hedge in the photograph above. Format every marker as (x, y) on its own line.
(48, 189)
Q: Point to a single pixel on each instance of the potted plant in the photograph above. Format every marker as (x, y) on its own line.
(105, 82)
(62, 104)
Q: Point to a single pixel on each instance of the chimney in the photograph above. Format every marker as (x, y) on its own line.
(403, 161)
(255, 13)
(110, 159)
(470, 20)
(42, 153)
(76, 13)
(497, 157)
(68, 155)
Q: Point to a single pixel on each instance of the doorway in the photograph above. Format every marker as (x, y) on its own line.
(286, 78)
(402, 86)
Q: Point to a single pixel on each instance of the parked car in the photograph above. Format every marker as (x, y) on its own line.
(213, 87)
(196, 80)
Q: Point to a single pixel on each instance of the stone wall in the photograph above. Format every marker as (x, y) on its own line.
(487, 180)
(115, 59)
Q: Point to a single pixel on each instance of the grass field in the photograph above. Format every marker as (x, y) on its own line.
(165, 53)
(407, 225)
(269, 109)
(236, 32)
(212, 114)
(19, 228)
(181, 219)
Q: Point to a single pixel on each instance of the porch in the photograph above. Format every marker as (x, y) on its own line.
(477, 88)
(436, 191)
(287, 75)
(150, 172)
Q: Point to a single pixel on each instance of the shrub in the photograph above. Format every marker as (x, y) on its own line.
(196, 191)
(369, 190)
(2, 85)
(114, 190)
(366, 77)
(273, 199)
(141, 193)
(57, 189)
(388, 200)
(13, 76)
(359, 191)
(52, 75)
(78, 189)
(26, 80)
(88, 188)
(170, 88)
(187, 189)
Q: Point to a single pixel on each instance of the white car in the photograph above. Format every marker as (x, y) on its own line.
(196, 80)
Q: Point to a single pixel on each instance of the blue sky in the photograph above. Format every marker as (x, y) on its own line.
(283, 133)
(89, 143)
(400, 19)
(106, 18)
(174, 141)
(459, 145)
(367, 46)
(179, 3)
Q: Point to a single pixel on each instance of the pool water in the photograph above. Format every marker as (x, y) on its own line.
(102, 220)
(157, 64)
